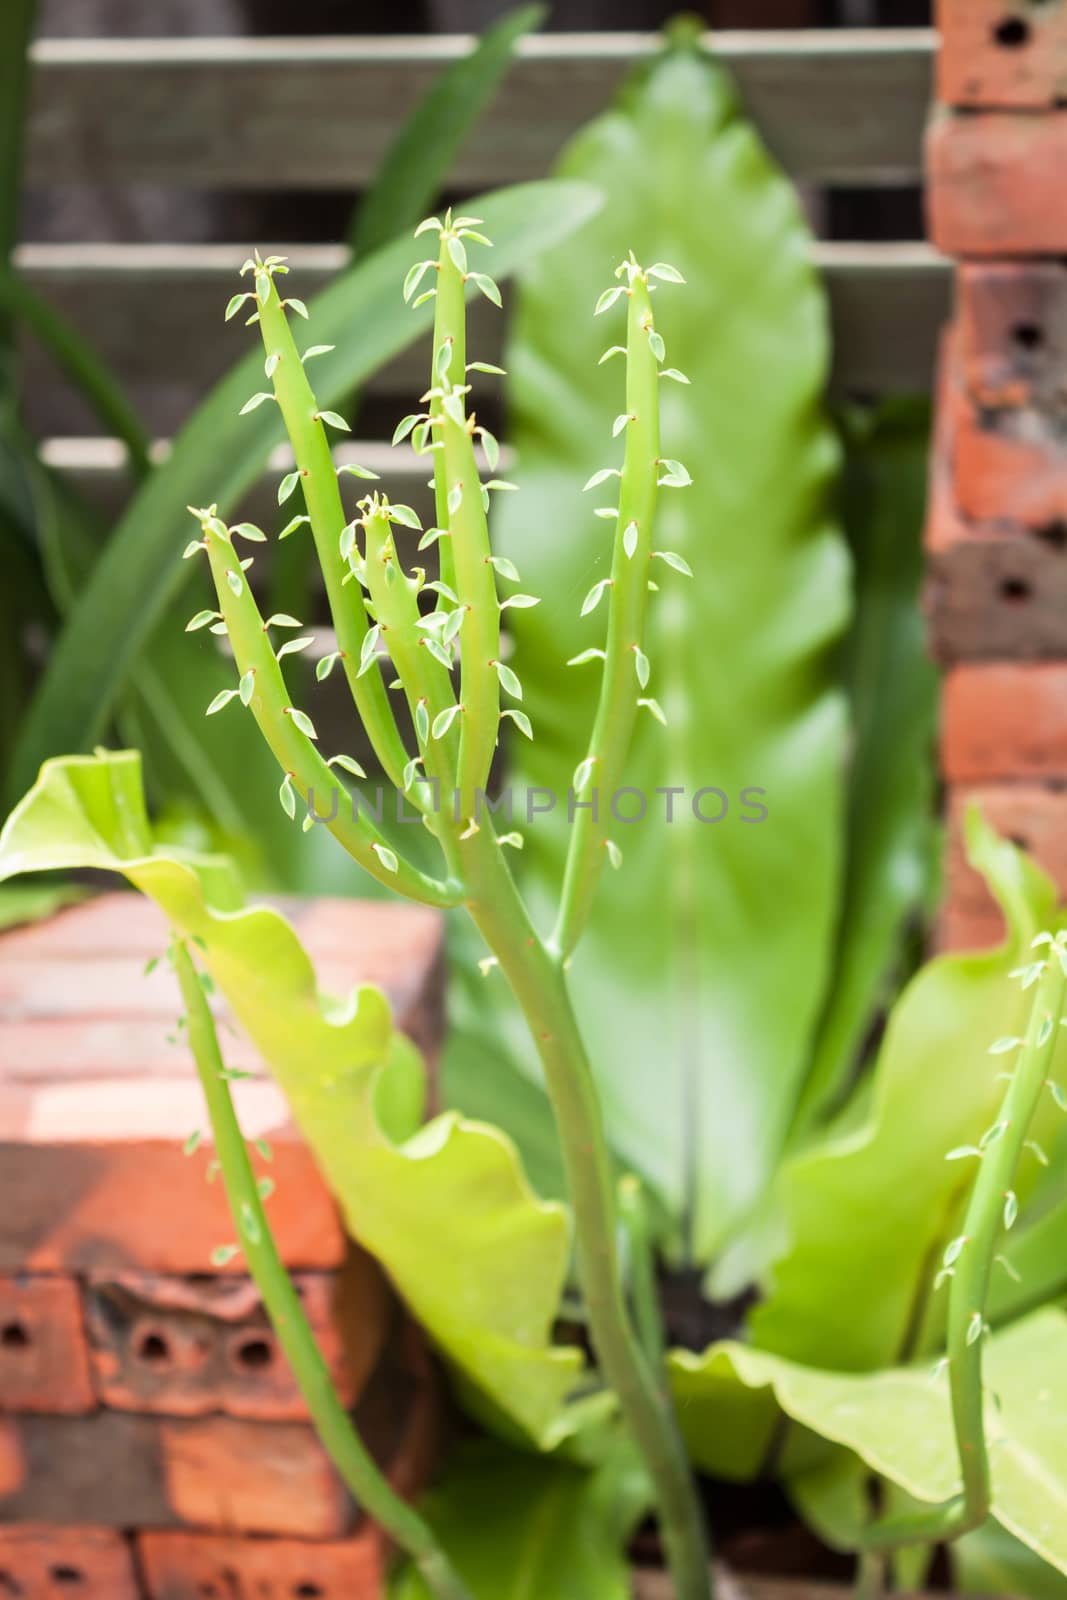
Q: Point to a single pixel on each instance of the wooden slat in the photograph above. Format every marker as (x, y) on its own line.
(154, 312)
(845, 106)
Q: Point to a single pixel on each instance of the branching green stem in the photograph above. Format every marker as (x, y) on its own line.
(969, 1263)
(621, 687)
(322, 498)
(294, 749)
(334, 1426)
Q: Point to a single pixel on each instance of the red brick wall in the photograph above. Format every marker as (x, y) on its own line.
(153, 1445)
(997, 527)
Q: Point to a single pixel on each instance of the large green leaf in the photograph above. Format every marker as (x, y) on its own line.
(219, 454)
(700, 978)
(445, 1207)
(892, 686)
(868, 1207)
(991, 1561)
(899, 1421)
(519, 1528)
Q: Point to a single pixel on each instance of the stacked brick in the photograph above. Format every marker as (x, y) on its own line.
(997, 527)
(153, 1445)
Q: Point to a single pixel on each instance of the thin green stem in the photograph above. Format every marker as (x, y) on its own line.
(969, 1262)
(334, 1426)
(322, 497)
(628, 587)
(284, 728)
(468, 556)
(643, 1394)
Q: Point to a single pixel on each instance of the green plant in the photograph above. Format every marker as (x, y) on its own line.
(455, 737)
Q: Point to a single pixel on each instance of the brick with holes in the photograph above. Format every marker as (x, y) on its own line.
(49, 1563)
(44, 1357)
(189, 1566)
(994, 589)
(1009, 53)
(189, 1346)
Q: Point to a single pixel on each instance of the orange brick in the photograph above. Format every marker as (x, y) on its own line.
(188, 1347)
(49, 1563)
(1004, 720)
(95, 1178)
(1035, 818)
(184, 1566)
(1012, 332)
(118, 1470)
(44, 1359)
(994, 183)
(1002, 53)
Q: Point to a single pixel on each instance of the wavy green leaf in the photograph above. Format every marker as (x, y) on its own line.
(700, 986)
(899, 1423)
(869, 1207)
(444, 1207)
(519, 1528)
(219, 454)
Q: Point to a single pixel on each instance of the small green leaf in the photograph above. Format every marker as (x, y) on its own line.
(263, 1146)
(223, 1254)
(1044, 1032)
(509, 681)
(641, 666)
(954, 1250)
(679, 563)
(592, 599)
(256, 400)
(415, 276)
(298, 306)
(458, 254)
(356, 471)
(192, 1142)
(292, 647)
(486, 366)
(249, 531)
(282, 619)
(314, 350)
(369, 649)
(404, 427)
(287, 485)
(325, 665)
(601, 477)
(347, 764)
(247, 687)
(223, 698)
(201, 620)
(520, 719)
(422, 722)
(443, 721)
(235, 582)
(674, 374)
(1058, 1095)
(587, 655)
(629, 539)
(291, 527)
(974, 1328)
(655, 708)
(455, 498)
(621, 421)
(386, 856)
(675, 476)
(522, 602)
(607, 300)
(287, 796)
(491, 447)
(302, 721)
(405, 516)
(615, 350)
(265, 1188)
(614, 853)
(962, 1151)
(234, 305)
(506, 568)
(665, 272)
(333, 419)
(582, 773)
(656, 345)
(487, 286)
(1011, 1208)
